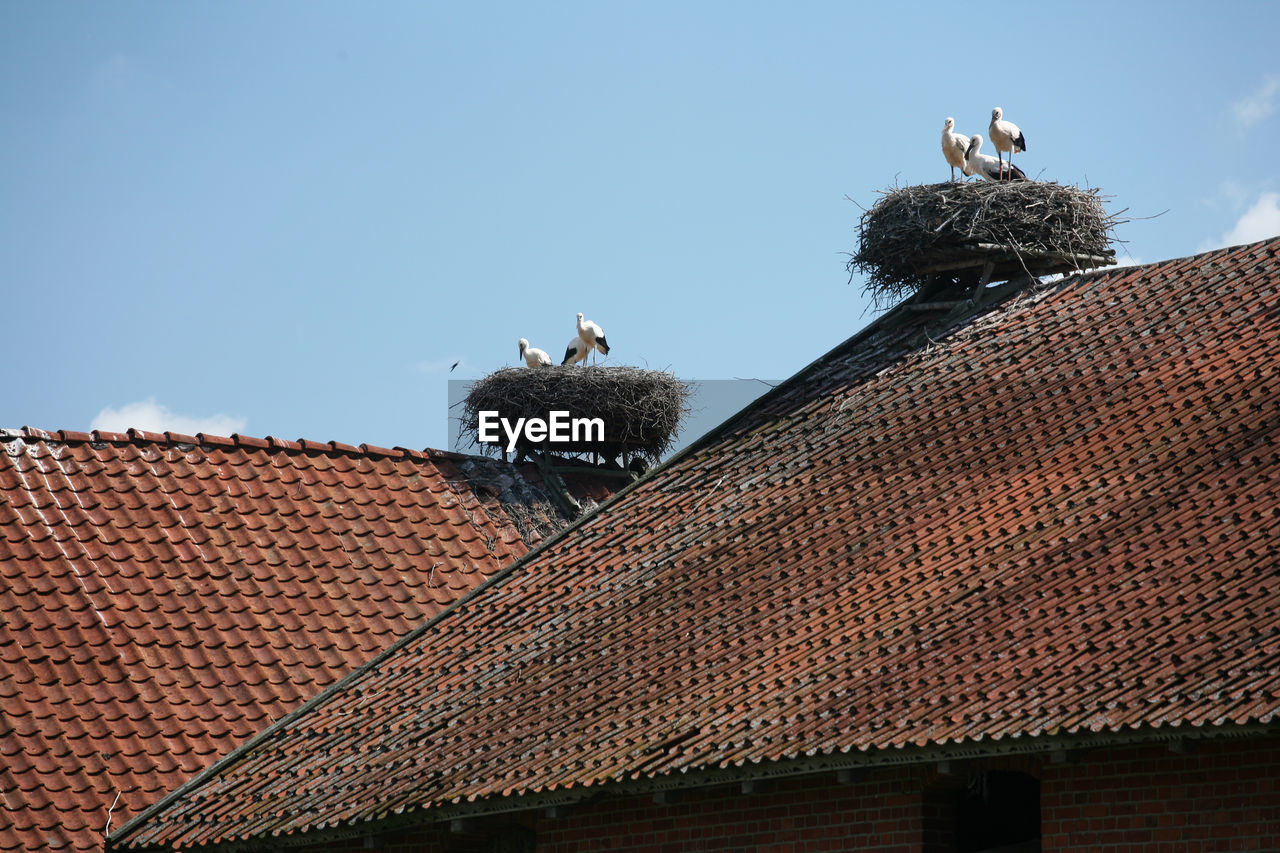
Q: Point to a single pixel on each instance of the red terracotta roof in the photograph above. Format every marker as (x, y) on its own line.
(163, 597)
(1061, 516)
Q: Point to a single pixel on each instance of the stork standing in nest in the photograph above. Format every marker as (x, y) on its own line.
(576, 351)
(1005, 136)
(533, 356)
(987, 166)
(593, 336)
(954, 147)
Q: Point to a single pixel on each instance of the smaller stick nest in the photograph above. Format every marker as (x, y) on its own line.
(642, 409)
(913, 230)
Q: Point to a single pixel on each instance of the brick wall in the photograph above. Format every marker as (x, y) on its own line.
(1214, 796)
(879, 813)
(1218, 795)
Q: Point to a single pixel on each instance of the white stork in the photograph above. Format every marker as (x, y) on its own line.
(576, 351)
(533, 356)
(987, 166)
(593, 336)
(954, 146)
(1005, 136)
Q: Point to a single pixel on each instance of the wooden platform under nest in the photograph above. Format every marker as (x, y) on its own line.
(1010, 261)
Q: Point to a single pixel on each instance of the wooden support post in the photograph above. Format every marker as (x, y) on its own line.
(559, 491)
(987, 270)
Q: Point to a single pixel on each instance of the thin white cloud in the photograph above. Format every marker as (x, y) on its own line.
(1232, 195)
(1258, 222)
(151, 416)
(1257, 106)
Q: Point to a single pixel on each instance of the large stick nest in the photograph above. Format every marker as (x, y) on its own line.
(912, 231)
(642, 409)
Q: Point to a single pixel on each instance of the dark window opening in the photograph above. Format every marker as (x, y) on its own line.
(998, 812)
(513, 839)
(478, 835)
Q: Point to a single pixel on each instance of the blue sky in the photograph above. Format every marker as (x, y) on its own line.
(291, 218)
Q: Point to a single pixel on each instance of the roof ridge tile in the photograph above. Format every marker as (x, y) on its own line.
(375, 450)
(282, 443)
(208, 440)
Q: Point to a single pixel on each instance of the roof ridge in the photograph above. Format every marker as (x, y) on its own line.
(170, 438)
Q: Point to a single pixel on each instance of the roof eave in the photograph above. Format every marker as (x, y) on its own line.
(806, 765)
